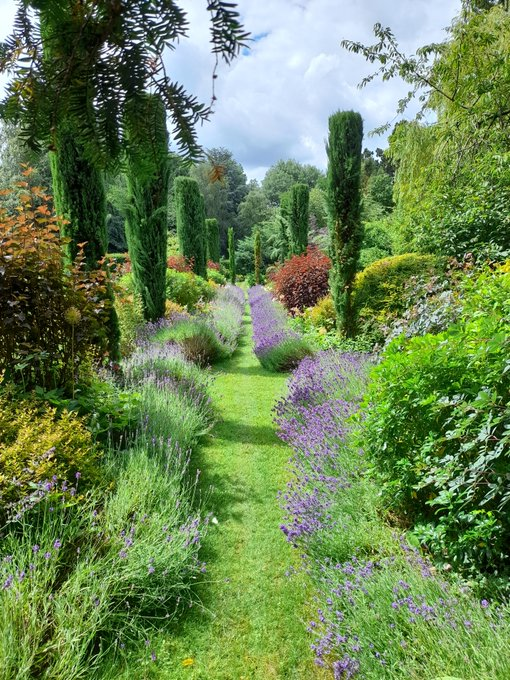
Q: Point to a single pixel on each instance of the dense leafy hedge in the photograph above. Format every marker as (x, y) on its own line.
(377, 293)
(303, 280)
(187, 288)
(437, 428)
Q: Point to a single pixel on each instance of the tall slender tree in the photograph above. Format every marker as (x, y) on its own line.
(257, 256)
(231, 256)
(299, 202)
(147, 180)
(284, 225)
(190, 221)
(344, 204)
(213, 239)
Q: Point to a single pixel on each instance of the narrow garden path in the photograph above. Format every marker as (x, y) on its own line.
(251, 621)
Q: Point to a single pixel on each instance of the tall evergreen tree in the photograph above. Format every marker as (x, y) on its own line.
(344, 203)
(284, 225)
(213, 239)
(190, 221)
(257, 255)
(299, 202)
(231, 256)
(147, 180)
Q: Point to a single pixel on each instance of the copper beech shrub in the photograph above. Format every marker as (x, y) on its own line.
(54, 315)
(303, 280)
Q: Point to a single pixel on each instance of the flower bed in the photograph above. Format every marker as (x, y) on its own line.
(384, 610)
(276, 346)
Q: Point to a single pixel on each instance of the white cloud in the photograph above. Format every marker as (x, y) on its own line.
(274, 102)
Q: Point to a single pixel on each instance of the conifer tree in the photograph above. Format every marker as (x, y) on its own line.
(257, 256)
(344, 204)
(299, 201)
(213, 239)
(190, 222)
(283, 225)
(147, 177)
(231, 256)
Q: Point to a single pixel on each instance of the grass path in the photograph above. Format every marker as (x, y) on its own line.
(251, 623)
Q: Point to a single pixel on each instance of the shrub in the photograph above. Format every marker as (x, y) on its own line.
(179, 263)
(130, 315)
(303, 280)
(377, 293)
(173, 308)
(36, 443)
(187, 289)
(323, 314)
(53, 315)
(216, 277)
(198, 341)
(436, 427)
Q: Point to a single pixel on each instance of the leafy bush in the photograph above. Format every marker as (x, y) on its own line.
(53, 315)
(216, 277)
(36, 443)
(303, 280)
(377, 294)
(179, 263)
(436, 427)
(198, 341)
(130, 315)
(187, 289)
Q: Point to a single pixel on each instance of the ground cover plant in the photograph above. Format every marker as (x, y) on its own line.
(278, 348)
(383, 610)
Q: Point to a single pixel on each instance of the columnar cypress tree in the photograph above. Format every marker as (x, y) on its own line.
(190, 222)
(344, 203)
(231, 256)
(147, 177)
(213, 239)
(299, 201)
(283, 225)
(257, 256)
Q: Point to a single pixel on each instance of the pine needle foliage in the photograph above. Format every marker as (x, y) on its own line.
(213, 239)
(231, 256)
(344, 203)
(104, 53)
(190, 222)
(147, 175)
(299, 202)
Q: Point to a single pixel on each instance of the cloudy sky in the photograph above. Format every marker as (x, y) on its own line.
(275, 99)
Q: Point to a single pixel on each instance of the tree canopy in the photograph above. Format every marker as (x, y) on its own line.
(104, 53)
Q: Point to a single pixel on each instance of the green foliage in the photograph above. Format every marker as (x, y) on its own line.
(147, 184)
(377, 242)
(231, 256)
(190, 220)
(83, 63)
(216, 277)
(299, 202)
(286, 355)
(452, 177)
(253, 210)
(284, 174)
(436, 427)
(284, 218)
(377, 296)
(36, 443)
(197, 339)
(187, 289)
(257, 257)
(130, 315)
(213, 239)
(54, 316)
(344, 170)
(223, 185)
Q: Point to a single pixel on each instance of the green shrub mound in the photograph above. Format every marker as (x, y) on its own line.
(378, 290)
(187, 289)
(197, 339)
(437, 428)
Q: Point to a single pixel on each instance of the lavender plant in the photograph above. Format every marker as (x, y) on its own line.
(276, 346)
(383, 611)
